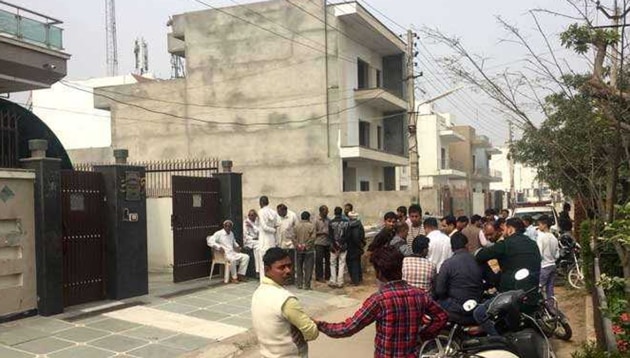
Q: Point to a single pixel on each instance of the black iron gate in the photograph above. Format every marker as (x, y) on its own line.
(8, 138)
(196, 214)
(83, 236)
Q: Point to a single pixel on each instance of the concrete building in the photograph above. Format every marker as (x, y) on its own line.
(527, 187)
(31, 50)
(454, 165)
(308, 101)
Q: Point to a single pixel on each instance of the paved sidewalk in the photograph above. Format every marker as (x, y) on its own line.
(172, 321)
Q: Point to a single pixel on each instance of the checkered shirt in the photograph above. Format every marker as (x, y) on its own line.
(398, 310)
(419, 272)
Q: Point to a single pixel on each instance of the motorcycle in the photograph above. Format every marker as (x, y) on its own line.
(521, 334)
(568, 264)
(552, 320)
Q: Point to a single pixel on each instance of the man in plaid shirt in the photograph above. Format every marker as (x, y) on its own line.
(398, 310)
(417, 270)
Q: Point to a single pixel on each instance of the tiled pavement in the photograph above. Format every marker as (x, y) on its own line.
(171, 321)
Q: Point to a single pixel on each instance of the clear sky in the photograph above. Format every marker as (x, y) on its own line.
(473, 21)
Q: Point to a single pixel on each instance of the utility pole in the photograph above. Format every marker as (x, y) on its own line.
(110, 38)
(412, 119)
(512, 198)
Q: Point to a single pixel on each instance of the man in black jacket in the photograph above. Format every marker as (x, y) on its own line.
(356, 243)
(459, 280)
(514, 253)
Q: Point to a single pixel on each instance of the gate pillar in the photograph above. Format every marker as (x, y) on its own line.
(48, 251)
(231, 194)
(126, 247)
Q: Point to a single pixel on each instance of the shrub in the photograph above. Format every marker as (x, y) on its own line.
(592, 350)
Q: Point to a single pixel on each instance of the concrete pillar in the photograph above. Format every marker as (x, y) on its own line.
(127, 262)
(48, 231)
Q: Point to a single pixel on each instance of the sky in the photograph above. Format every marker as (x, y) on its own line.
(473, 22)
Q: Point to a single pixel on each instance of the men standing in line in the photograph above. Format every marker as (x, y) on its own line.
(305, 246)
(460, 279)
(472, 232)
(565, 224)
(251, 245)
(448, 225)
(268, 221)
(356, 243)
(223, 241)
(415, 223)
(530, 229)
(439, 243)
(285, 235)
(338, 248)
(322, 245)
(281, 325)
(549, 250)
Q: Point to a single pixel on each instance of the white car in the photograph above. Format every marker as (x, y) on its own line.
(536, 210)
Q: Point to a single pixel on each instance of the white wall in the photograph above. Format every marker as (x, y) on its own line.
(159, 234)
(524, 177)
(478, 203)
(69, 110)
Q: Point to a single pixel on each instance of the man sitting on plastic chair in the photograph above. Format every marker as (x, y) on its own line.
(223, 240)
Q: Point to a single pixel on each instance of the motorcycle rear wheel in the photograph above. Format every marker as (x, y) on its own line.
(576, 279)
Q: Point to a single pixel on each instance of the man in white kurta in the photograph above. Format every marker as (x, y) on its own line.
(223, 240)
(439, 243)
(268, 221)
(251, 231)
(281, 325)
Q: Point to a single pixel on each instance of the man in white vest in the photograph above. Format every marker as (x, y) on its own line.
(280, 323)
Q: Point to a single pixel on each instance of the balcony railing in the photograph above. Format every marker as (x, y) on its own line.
(30, 26)
(488, 172)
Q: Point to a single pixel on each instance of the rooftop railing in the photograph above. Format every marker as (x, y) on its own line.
(30, 26)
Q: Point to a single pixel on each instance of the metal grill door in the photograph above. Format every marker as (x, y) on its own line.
(196, 214)
(83, 228)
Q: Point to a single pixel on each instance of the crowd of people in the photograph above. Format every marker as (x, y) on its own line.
(427, 266)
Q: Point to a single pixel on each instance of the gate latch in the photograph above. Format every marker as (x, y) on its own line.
(129, 216)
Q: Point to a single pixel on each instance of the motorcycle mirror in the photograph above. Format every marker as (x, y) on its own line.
(521, 274)
(469, 305)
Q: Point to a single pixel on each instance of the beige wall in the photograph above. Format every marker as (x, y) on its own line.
(17, 242)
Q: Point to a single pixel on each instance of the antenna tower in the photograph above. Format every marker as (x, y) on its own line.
(112, 44)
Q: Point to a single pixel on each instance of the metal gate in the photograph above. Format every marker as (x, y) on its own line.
(83, 236)
(196, 214)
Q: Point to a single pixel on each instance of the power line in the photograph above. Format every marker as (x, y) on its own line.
(232, 123)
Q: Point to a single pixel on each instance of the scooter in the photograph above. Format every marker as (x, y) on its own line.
(521, 335)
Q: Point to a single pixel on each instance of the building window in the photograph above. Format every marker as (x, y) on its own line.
(379, 137)
(380, 186)
(474, 164)
(364, 185)
(443, 158)
(378, 79)
(364, 134)
(363, 74)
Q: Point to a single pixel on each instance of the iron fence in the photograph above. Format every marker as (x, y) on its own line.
(9, 138)
(159, 173)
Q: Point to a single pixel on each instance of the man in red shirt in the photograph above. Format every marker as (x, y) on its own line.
(397, 308)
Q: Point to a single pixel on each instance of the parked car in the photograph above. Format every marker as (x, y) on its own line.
(536, 210)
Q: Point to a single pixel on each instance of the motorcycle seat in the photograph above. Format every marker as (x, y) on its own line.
(484, 343)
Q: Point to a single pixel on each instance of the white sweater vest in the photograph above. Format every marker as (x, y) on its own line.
(272, 328)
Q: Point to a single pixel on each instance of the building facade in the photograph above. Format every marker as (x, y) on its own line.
(307, 100)
(454, 165)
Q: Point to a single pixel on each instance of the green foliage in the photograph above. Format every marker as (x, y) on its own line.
(618, 231)
(592, 350)
(586, 253)
(580, 37)
(570, 146)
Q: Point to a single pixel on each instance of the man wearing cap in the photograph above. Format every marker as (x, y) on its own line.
(223, 241)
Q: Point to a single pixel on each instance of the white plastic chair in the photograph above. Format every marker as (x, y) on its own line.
(218, 257)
